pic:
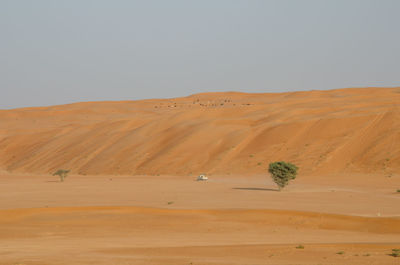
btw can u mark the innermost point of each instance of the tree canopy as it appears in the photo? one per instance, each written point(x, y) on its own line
point(282, 172)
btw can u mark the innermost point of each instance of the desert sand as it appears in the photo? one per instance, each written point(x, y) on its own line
point(132, 195)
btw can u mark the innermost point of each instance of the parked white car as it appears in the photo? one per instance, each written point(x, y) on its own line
point(202, 177)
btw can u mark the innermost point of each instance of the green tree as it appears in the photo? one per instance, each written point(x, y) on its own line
point(282, 172)
point(62, 173)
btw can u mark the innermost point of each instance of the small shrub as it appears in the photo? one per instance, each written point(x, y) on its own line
point(398, 190)
point(340, 252)
point(169, 203)
point(395, 253)
point(300, 247)
point(282, 172)
point(62, 173)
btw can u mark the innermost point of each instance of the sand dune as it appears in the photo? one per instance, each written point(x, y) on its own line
point(352, 130)
point(343, 207)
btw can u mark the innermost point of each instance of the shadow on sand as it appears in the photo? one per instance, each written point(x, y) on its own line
point(255, 189)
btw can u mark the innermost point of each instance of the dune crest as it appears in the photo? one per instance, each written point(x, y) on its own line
point(344, 130)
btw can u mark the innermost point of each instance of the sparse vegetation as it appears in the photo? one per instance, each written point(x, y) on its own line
point(62, 173)
point(282, 172)
point(395, 252)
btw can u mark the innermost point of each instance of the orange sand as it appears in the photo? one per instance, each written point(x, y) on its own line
point(175, 220)
point(132, 197)
point(346, 130)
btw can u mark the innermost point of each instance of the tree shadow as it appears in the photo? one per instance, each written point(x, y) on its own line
point(263, 189)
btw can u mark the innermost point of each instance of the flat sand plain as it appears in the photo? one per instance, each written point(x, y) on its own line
point(177, 220)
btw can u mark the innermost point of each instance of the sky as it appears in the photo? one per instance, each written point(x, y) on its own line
point(56, 52)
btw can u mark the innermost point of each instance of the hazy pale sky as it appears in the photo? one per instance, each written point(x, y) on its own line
point(55, 52)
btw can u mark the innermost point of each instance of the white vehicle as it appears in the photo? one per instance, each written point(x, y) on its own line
point(202, 177)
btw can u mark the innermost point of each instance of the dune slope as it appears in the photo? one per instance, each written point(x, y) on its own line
point(345, 130)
